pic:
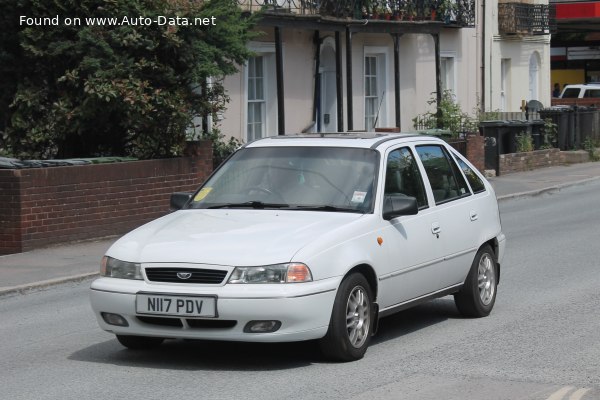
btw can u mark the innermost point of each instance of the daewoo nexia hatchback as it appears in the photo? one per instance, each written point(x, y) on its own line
point(298, 238)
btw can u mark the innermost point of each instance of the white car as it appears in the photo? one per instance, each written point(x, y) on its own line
point(305, 237)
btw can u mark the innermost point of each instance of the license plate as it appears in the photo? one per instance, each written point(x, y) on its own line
point(186, 306)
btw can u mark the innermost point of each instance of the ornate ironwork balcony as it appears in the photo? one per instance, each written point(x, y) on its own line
point(460, 13)
point(524, 19)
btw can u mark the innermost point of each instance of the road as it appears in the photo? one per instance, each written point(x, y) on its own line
point(542, 340)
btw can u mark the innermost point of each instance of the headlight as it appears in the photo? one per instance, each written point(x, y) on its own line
point(279, 273)
point(120, 269)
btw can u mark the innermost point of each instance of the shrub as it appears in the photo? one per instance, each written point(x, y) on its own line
point(76, 91)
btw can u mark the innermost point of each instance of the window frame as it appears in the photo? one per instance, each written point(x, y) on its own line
point(417, 168)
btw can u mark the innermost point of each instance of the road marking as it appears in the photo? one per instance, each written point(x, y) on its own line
point(560, 393)
point(578, 395)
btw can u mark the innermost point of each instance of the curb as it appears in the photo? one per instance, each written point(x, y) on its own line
point(532, 193)
point(29, 287)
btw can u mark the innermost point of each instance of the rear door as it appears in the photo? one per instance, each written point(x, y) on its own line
point(456, 213)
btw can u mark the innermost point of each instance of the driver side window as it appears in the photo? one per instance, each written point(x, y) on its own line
point(402, 176)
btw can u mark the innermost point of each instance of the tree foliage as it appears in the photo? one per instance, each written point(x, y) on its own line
point(88, 90)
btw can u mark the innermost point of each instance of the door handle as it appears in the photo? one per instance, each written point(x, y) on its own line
point(474, 216)
point(435, 229)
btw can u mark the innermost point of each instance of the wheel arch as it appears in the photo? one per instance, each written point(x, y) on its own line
point(369, 273)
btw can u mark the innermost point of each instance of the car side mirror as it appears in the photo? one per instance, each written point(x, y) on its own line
point(396, 205)
point(179, 199)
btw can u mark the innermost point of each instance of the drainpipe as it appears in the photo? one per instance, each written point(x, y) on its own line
point(483, 39)
point(279, 73)
point(338, 82)
point(349, 78)
point(317, 93)
point(438, 80)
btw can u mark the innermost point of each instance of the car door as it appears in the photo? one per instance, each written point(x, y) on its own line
point(413, 250)
point(456, 213)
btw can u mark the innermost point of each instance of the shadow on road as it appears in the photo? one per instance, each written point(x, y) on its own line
point(201, 355)
point(415, 319)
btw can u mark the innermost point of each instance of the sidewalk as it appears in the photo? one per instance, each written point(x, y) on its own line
point(78, 261)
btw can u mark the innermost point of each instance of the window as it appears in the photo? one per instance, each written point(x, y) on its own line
point(446, 181)
point(595, 93)
point(402, 176)
point(375, 86)
point(475, 181)
point(571, 93)
point(371, 92)
point(256, 98)
point(447, 74)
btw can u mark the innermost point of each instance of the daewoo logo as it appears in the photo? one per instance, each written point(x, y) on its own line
point(184, 275)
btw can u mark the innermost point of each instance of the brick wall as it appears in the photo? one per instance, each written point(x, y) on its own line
point(476, 151)
point(517, 162)
point(42, 206)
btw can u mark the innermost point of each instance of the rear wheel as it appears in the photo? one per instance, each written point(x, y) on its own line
point(139, 342)
point(350, 327)
point(478, 295)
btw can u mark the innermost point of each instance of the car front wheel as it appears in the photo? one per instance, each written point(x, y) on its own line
point(351, 321)
point(478, 295)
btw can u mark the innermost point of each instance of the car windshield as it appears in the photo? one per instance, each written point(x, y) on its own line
point(302, 178)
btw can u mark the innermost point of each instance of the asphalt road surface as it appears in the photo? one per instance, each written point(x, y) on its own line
point(542, 341)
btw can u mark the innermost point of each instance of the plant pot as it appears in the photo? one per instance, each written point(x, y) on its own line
point(433, 15)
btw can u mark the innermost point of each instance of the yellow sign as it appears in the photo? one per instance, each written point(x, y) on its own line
point(202, 193)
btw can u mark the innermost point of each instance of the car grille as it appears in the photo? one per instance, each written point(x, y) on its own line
point(208, 276)
point(192, 323)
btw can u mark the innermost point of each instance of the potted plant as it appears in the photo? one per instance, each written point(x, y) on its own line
point(447, 10)
point(410, 10)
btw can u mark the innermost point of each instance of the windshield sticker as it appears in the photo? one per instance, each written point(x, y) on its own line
point(202, 193)
point(359, 197)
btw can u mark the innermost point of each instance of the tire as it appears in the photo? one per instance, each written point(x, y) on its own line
point(478, 295)
point(139, 342)
point(347, 339)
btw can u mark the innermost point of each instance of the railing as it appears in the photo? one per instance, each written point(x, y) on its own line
point(451, 12)
point(510, 116)
point(524, 19)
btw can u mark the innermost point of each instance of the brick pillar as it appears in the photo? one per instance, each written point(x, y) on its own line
point(10, 212)
point(476, 150)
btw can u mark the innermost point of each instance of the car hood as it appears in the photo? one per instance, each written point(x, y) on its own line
point(227, 237)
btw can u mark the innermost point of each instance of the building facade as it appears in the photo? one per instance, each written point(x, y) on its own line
point(351, 65)
point(515, 54)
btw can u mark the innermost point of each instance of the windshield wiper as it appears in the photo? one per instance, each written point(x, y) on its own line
point(249, 204)
point(328, 208)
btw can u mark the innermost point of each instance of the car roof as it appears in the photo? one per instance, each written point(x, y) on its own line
point(583, 86)
point(356, 140)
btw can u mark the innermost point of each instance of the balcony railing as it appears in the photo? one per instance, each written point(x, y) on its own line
point(451, 12)
point(524, 19)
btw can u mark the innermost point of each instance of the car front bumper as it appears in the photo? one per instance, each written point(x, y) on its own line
point(304, 309)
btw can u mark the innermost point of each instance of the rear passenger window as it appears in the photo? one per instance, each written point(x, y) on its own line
point(475, 181)
point(444, 177)
point(402, 176)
